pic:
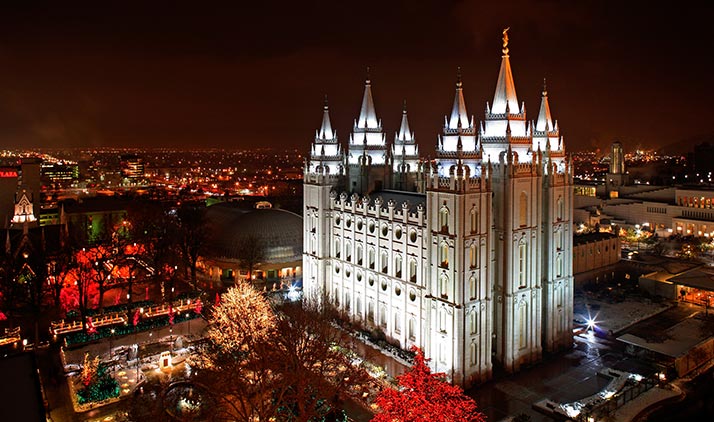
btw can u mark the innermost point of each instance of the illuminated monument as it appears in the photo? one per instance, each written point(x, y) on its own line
point(468, 257)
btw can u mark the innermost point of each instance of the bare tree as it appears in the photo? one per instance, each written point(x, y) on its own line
point(251, 252)
point(192, 236)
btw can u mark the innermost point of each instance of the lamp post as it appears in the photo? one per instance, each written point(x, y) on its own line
point(111, 338)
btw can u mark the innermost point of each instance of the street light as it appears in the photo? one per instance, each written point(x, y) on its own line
point(111, 338)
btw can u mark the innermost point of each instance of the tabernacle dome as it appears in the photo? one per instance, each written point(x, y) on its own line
point(277, 232)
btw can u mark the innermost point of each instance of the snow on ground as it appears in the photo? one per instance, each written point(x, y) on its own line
point(615, 316)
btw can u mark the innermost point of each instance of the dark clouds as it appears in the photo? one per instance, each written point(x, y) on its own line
point(239, 74)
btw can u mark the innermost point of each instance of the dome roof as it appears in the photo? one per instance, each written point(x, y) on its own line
point(279, 232)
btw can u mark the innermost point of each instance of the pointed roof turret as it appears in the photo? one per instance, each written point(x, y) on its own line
point(404, 132)
point(545, 121)
point(326, 131)
point(367, 114)
point(458, 117)
point(505, 95)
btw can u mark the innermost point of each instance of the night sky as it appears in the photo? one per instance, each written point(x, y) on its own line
point(245, 73)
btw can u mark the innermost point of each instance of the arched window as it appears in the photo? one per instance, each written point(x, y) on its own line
point(473, 258)
point(522, 263)
point(560, 205)
point(383, 316)
point(358, 307)
point(473, 321)
point(347, 302)
point(558, 235)
point(444, 219)
point(397, 323)
point(559, 266)
point(398, 266)
point(522, 326)
point(442, 320)
point(412, 270)
point(523, 213)
point(472, 287)
point(337, 248)
point(384, 261)
point(444, 255)
point(473, 356)
point(371, 258)
point(336, 297)
point(444, 286)
point(359, 254)
point(348, 251)
point(411, 329)
point(370, 312)
point(474, 220)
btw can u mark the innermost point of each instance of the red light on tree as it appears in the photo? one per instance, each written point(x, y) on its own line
point(425, 397)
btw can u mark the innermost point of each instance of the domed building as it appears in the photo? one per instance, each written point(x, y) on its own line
point(270, 239)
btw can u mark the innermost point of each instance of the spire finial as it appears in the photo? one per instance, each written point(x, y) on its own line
point(326, 105)
point(404, 107)
point(458, 76)
point(367, 81)
point(545, 88)
point(505, 41)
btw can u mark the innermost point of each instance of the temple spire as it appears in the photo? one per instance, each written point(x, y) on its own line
point(459, 117)
point(404, 132)
point(326, 131)
point(367, 114)
point(505, 88)
point(545, 121)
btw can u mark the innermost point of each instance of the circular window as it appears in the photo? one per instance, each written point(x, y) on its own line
point(412, 295)
point(384, 286)
point(371, 227)
point(397, 290)
point(398, 232)
point(371, 281)
point(412, 236)
point(337, 220)
point(359, 224)
point(359, 276)
point(347, 272)
point(385, 229)
point(348, 222)
point(337, 269)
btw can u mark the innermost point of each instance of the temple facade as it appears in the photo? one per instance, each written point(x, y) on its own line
point(468, 256)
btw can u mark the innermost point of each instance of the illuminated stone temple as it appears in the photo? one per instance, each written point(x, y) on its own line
point(468, 256)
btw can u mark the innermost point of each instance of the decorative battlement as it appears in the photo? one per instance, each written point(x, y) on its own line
point(379, 209)
point(504, 116)
point(476, 155)
point(521, 140)
point(468, 131)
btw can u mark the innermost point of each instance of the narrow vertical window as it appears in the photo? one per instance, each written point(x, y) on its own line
point(444, 220)
point(522, 326)
point(472, 255)
point(523, 212)
point(412, 270)
point(472, 287)
point(474, 220)
point(444, 286)
point(444, 255)
point(398, 266)
point(522, 264)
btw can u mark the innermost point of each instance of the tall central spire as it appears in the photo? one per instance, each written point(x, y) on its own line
point(505, 88)
point(367, 114)
point(459, 117)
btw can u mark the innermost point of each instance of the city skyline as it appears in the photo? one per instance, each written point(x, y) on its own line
point(136, 75)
